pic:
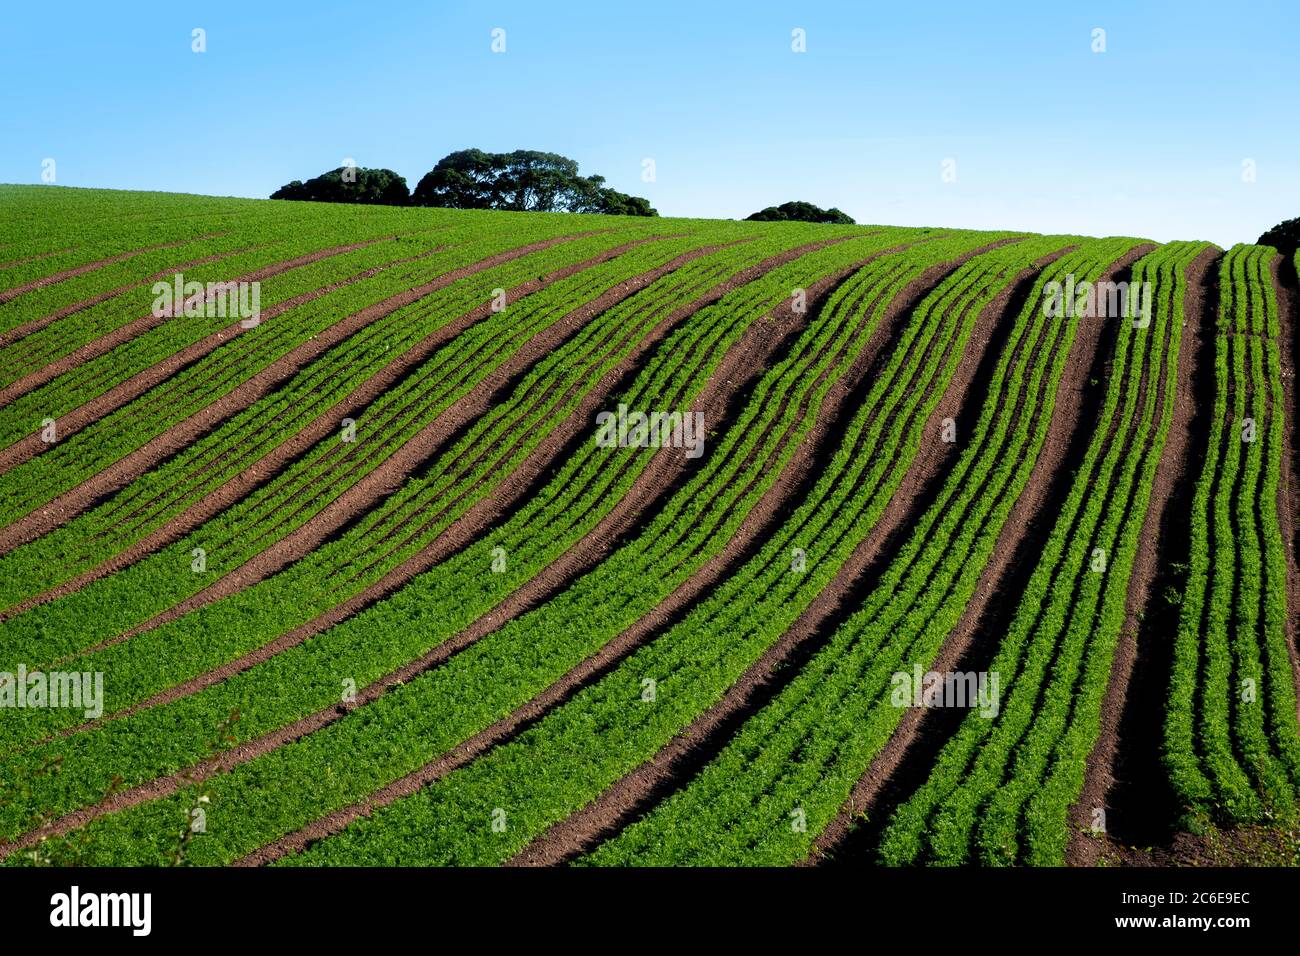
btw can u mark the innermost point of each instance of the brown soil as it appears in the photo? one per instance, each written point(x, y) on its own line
point(180, 436)
point(916, 739)
point(1288, 492)
point(741, 362)
point(35, 325)
point(78, 418)
point(8, 295)
point(1242, 846)
point(385, 479)
point(1125, 771)
point(133, 329)
point(44, 255)
point(705, 736)
point(514, 488)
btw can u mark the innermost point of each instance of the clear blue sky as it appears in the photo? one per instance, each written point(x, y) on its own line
point(1145, 139)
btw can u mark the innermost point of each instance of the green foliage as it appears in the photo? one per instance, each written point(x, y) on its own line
point(505, 668)
point(312, 671)
point(78, 265)
point(1017, 773)
point(801, 212)
point(351, 184)
point(1284, 237)
point(524, 180)
point(804, 751)
point(1231, 743)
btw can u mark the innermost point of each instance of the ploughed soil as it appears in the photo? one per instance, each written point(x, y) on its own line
point(906, 759)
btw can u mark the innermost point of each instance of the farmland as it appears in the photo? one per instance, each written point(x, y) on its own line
point(954, 571)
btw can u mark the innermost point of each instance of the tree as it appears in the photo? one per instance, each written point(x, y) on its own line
point(1285, 237)
point(590, 194)
point(801, 212)
point(522, 181)
point(350, 184)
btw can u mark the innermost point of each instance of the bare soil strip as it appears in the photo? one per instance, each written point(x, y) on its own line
point(739, 366)
point(387, 478)
point(8, 295)
point(180, 436)
point(906, 759)
point(464, 530)
point(44, 255)
point(131, 330)
point(1125, 771)
point(1241, 846)
point(131, 389)
point(742, 363)
point(738, 370)
point(274, 462)
point(35, 325)
point(707, 735)
point(1288, 492)
point(512, 490)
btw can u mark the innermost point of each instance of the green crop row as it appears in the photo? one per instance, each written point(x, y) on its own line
point(490, 339)
point(63, 337)
point(366, 647)
point(136, 252)
point(107, 439)
point(768, 794)
point(610, 727)
point(468, 673)
point(1230, 742)
point(220, 372)
point(1069, 618)
point(249, 248)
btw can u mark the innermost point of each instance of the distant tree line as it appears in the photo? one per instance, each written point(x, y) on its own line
point(525, 180)
point(350, 184)
point(522, 181)
point(801, 212)
point(1284, 237)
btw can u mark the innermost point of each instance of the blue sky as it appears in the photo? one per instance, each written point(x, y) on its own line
point(1147, 138)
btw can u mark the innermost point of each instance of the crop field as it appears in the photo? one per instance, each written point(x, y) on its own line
point(362, 535)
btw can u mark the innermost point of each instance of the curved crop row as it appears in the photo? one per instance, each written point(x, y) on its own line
point(70, 461)
point(448, 375)
point(725, 326)
point(566, 509)
point(690, 664)
point(1231, 744)
point(1019, 770)
point(777, 784)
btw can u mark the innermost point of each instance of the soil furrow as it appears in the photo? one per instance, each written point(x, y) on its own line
point(8, 295)
point(22, 331)
point(106, 343)
point(44, 255)
point(1125, 771)
point(658, 482)
point(695, 745)
point(180, 436)
point(387, 478)
point(742, 361)
point(72, 422)
point(463, 531)
point(905, 760)
point(1288, 497)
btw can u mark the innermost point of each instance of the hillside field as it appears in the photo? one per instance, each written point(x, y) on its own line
point(357, 535)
